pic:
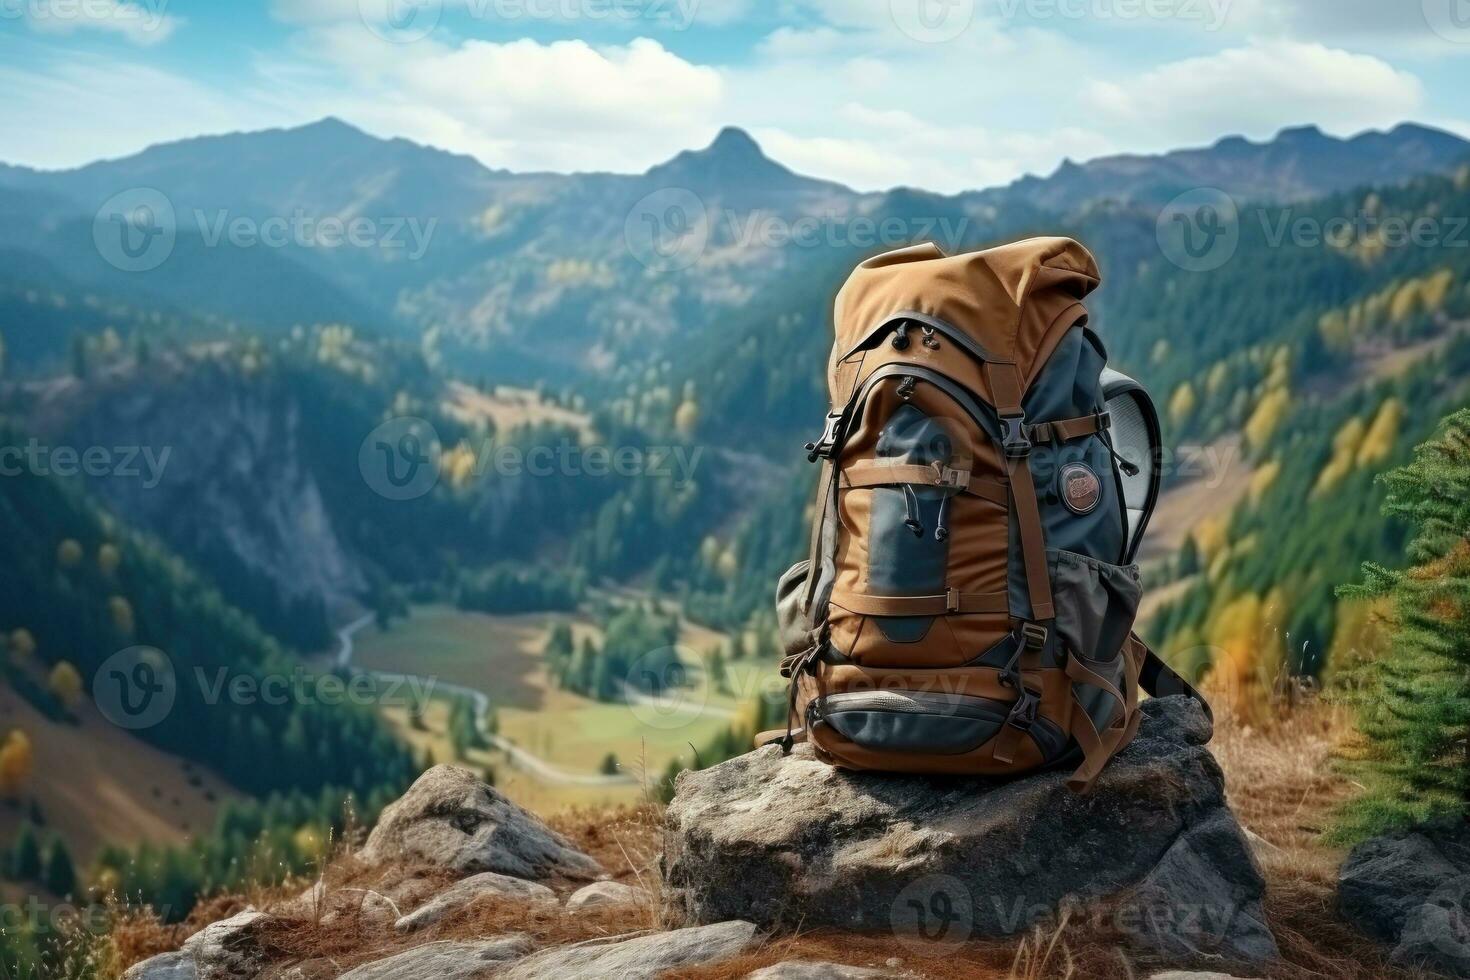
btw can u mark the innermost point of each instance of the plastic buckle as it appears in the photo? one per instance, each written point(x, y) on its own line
point(1013, 438)
point(1104, 420)
point(826, 445)
point(1035, 635)
point(952, 600)
point(1025, 712)
point(948, 478)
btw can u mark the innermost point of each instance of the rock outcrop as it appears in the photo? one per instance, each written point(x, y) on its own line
point(787, 842)
point(463, 894)
point(605, 893)
point(445, 961)
point(451, 819)
point(643, 958)
point(1412, 889)
point(225, 950)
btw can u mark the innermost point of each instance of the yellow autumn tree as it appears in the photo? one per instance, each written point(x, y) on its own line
point(457, 465)
point(17, 761)
point(686, 418)
point(66, 684)
point(1263, 479)
point(120, 610)
point(1182, 403)
point(1382, 435)
point(1345, 445)
point(22, 645)
point(1270, 411)
point(69, 553)
point(108, 558)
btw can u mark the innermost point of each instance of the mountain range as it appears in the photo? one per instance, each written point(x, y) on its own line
point(560, 276)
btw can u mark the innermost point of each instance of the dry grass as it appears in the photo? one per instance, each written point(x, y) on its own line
point(1280, 778)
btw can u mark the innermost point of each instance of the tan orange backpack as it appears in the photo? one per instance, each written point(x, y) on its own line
point(969, 600)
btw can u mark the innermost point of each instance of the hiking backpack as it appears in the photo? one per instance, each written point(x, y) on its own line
point(969, 600)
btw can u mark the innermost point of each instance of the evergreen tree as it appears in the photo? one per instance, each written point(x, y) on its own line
point(25, 855)
point(60, 875)
point(1415, 709)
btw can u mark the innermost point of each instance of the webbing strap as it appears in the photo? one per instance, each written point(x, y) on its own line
point(876, 473)
point(953, 601)
point(1006, 391)
point(826, 493)
point(1160, 680)
point(1064, 430)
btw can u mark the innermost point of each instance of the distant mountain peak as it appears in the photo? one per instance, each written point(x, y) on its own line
point(733, 141)
point(733, 161)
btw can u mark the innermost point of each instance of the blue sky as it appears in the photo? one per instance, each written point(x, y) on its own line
point(942, 94)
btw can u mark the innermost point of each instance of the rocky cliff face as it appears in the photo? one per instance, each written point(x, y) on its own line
point(215, 463)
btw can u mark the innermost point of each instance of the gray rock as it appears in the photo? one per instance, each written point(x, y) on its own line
point(1201, 899)
point(445, 961)
point(643, 958)
point(1385, 879)
point(451, 819)
point(788, 843)
point(225, 950)
point(806, 970)
point(1436, 934)
point(169, 966)
point(229, 948)
point(606, 893)
point(465, 893)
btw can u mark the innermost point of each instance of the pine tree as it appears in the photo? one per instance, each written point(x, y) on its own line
point(25, 855)
point(60, 876)
point(1415, 706)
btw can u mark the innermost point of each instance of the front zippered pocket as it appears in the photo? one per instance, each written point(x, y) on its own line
point(910, 721)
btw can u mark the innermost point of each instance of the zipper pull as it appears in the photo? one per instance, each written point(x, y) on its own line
point(911, 511)
point(906, 387)
point(1125, 465)
point(941, 529)
point(901, 336)
point(931, 340)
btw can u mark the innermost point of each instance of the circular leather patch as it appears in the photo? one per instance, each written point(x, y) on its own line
point(1080, 488)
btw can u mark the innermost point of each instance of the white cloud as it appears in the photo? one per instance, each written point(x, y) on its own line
point(566, 105)
point(892, 147)
point(1256, 90)
point(142, 22)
